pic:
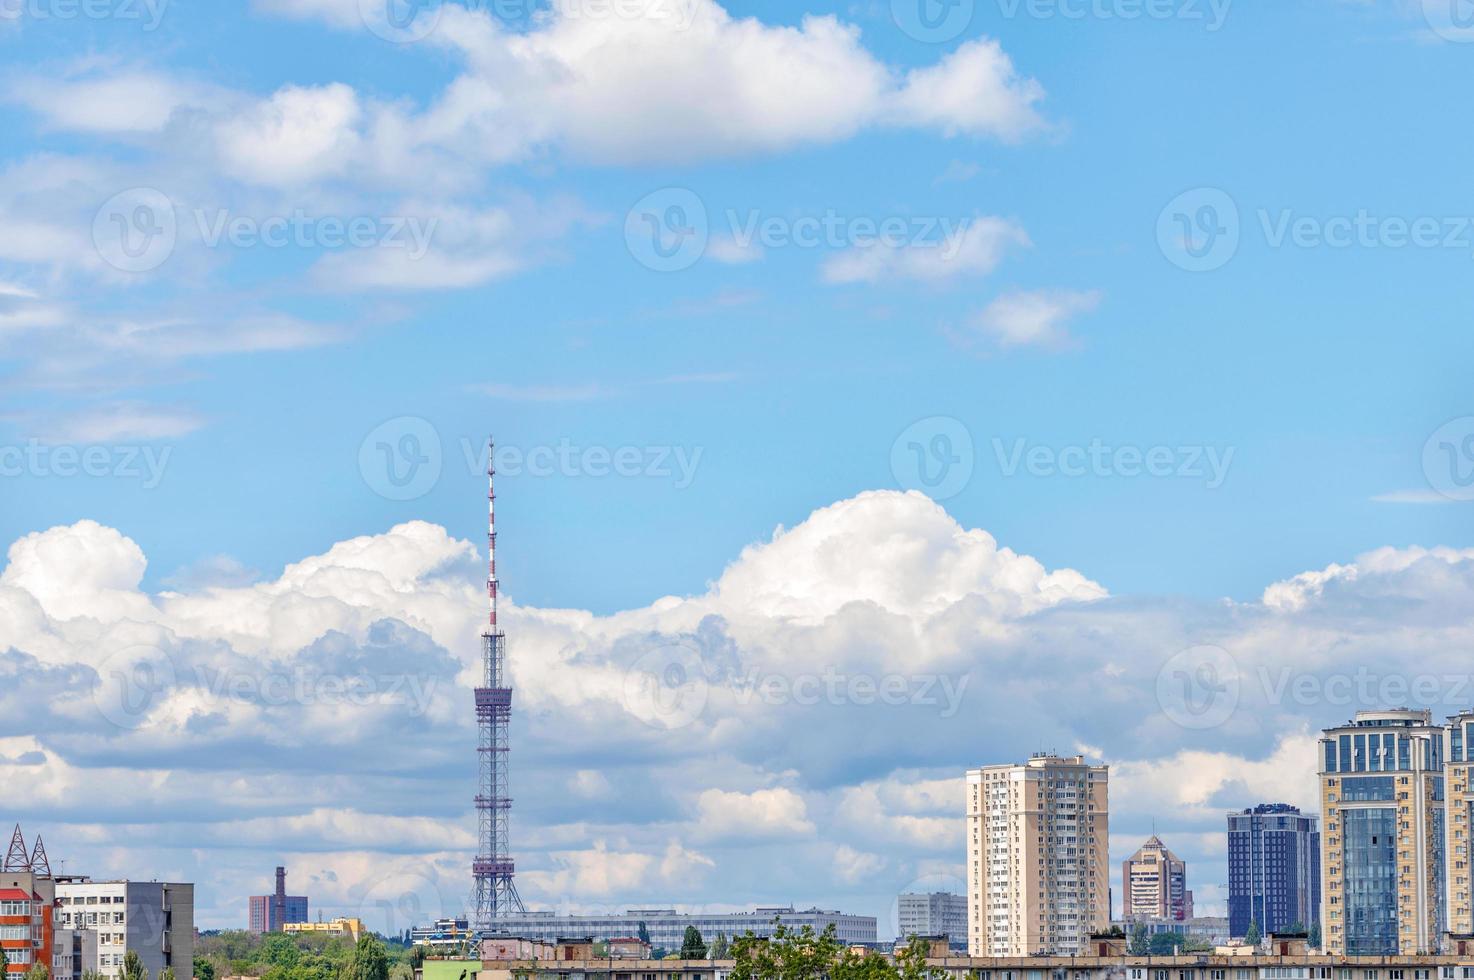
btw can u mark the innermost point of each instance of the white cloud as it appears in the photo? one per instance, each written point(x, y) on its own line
point(1034, 319)
point(853, 866)
point(124, 421)
point(93, 99)
point(610, 805)
point(971, 249)
point(631, 85)
point(777, 812)
point(299, 135)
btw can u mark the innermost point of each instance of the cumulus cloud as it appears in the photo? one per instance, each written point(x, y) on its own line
point(637, 84)
point(795, 708)
point(1036, 318)
point(971, 249)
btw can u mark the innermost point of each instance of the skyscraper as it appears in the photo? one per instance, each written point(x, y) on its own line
point(1459, 753)
point(1154, 883)
point(1273, 869)
point(1036, 856)
point(1382, 849)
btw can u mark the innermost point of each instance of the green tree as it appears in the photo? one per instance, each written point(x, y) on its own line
point(1315, 935)
point(370, 961)
point(693, 947)
point(167, 973)
point(911, 962)
point(1296, 927)
point(719, 947)
point(644, 933)
point(203, 970)
point(1141, 941)
point(1252, 936)
point(133, 968)
point(4, 962)
point(36, 972)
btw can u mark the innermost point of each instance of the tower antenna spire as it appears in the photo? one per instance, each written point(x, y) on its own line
point(492, 871)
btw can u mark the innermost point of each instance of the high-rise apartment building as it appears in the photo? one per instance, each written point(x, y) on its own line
point(154, 919)
point(932, 914)
point(1459, 763)
point(1382, 847)
point(1273, 869)
point(1037, 847)
point(1154, 884)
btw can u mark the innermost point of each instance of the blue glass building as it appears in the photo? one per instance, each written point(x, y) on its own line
point(1273, 869)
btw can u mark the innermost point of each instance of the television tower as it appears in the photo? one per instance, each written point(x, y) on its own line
point(495, 894)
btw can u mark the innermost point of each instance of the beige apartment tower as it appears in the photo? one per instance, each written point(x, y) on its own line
point(1459, 793)
point(1154, 884)
point(1383, 843)
point(1037, 859)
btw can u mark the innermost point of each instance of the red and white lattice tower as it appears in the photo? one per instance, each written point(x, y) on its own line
point(495, 894)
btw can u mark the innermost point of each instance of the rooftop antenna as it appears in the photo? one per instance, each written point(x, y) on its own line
point(39, 865)
point(16, 859)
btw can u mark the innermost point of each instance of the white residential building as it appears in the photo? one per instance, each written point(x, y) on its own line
point(1036, 856)
point(152, 918)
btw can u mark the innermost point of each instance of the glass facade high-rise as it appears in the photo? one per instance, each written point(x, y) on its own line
point(1382, 848)
point(1273, 869)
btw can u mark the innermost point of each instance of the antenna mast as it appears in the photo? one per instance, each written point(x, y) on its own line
point(493, 869)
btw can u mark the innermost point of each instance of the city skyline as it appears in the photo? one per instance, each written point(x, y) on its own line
point(883, 391)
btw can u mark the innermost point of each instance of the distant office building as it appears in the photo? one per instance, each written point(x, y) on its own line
point(154, 919)
point(1154, 884)
point(932, 914)
point(450, 931)
point(349, 928)
point(1209, 929)
point(667, 927)
point(1037, 838)
point(268, 913)
point(1273, 869)
point(1382, 846)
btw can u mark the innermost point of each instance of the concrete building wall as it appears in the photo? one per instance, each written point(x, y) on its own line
point(152, 918)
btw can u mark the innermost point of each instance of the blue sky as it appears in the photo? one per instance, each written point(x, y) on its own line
point(1324, 379)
